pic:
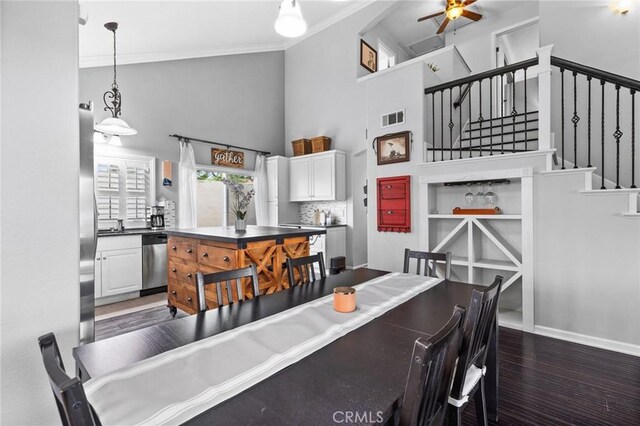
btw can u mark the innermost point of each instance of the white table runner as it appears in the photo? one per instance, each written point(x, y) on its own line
point(175, 386)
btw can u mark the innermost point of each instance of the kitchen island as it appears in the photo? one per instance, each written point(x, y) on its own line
point(218, 249)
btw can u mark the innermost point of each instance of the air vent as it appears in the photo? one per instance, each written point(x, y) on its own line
point(393, 119)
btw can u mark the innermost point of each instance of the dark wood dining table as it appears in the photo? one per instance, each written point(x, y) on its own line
point(361, 374)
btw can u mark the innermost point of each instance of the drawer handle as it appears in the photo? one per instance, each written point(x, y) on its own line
point(189, 251)
point(388, 186)
point(174, 248)
point(205, 254)
point(389, 212)
point(226, 259)
point(189, 299)
point(104, 258)
point(189, 275)
point(174, 270)
point(174, 292)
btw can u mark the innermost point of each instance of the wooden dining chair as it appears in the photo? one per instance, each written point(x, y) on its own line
point(432, 366)
point(430, 262)
point(226, 279)
point(73, 407)
point(478, 328)
point(305, 268)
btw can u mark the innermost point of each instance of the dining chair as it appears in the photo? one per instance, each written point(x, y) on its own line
point(431, 260)
point(430, 374)
point(73, 407)
point(226, 279)
point(477, 331)
point(305, 268)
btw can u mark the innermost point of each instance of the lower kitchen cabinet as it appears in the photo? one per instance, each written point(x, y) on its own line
point(118, 265)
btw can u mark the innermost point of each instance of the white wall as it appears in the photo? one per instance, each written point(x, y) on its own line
point(39, 189)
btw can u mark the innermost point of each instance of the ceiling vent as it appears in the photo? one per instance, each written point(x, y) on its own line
point(393, 118)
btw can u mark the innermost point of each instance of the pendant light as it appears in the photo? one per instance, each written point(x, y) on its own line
point(290, 22)
point(114, 125)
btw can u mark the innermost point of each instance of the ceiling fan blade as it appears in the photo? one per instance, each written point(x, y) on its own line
point(471, 15)
point(443, 26)
point(468, 2)
point(424, 18)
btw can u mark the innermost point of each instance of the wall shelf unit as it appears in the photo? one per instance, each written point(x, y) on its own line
point(484, 246)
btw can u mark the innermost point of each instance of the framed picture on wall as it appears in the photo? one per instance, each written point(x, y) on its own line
point(394, 148)
point(368, 56)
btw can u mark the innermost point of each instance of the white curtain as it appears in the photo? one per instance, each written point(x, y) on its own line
point(187, 187)
point(260, 185)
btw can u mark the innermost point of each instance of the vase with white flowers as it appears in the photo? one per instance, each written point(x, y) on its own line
point(241, 199)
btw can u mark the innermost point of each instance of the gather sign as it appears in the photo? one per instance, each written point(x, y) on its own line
point(227, 158)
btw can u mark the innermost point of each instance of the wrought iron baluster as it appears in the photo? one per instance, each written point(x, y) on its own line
point(451, 123)
point(575, 119)
point(460, 122)
point(480, 118)
point(589, 125)
point(562, 113)
point(514, 112)
point(470, 123)
point(501, 113)
point(433, 124)
point(617, 135)
point(526, 113)
point(442, 125)
point(602, 133)
point(633, 138)
point(490, 115)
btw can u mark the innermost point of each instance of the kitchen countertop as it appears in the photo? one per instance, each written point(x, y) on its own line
point(132, 231)
point(253, 233)
point(312, 225)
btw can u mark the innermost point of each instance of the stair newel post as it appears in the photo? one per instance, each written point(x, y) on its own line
point(480, 118)
point(460, 121)
point(501, 113)
point(633, 138)
point(433, 125)
point(562, 113)
point(589, 124)
point(451, 123)
point(514, 112)
point(544, 96)
point(442, 125)
point(526, 116)
point(602, 134)
point(490, 115)
point(617, 135)
point(575, 119)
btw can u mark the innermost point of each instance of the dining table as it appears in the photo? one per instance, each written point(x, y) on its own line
point(359, 376)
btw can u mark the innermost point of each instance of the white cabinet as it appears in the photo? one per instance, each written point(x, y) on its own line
point(118, 266)
point(318, 177)
point(281, 210)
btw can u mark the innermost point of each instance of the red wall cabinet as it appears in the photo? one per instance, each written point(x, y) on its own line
point(394, 204)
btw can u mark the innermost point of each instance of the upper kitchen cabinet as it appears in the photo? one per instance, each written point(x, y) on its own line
point(318, 177)
point(281, 210)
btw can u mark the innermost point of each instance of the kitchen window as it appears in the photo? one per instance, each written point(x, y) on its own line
point(213, 198)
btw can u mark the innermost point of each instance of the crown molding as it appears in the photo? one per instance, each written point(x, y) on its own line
point(141, 58)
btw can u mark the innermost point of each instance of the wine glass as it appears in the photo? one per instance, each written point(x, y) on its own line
point(469, 195)
point(480, 195)
point(491, 196)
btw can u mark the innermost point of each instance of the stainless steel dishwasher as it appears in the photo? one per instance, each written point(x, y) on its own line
point(154, 264)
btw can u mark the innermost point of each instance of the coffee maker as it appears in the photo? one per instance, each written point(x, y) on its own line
point(157, 217)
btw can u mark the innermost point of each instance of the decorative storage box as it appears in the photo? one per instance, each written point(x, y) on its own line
point(320, 144)
point(301, 147)
point(394, 204)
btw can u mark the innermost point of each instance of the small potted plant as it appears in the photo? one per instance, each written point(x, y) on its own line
point(241, 200)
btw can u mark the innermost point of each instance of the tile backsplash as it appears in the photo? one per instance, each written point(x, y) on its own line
point(338, 210)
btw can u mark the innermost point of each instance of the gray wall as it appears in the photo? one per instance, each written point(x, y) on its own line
point(237, 99)
point(40, 291)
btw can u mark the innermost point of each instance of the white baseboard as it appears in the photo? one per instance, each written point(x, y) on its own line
point(598, 342)
point(364, 265)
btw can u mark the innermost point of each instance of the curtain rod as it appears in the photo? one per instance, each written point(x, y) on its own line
point(188, 139)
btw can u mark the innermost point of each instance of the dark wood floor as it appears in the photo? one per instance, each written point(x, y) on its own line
point(543, 381)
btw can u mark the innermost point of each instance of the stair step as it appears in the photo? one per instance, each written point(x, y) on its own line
point(507, 117)
point(497, 135)
point(494, 126)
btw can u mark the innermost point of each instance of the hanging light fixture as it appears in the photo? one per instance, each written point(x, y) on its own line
point(290, 22)
point(114, 125)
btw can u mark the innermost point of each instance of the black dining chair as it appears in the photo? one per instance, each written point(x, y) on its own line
point(226, 279)
point(432, 366)
point(478, 328)
point(304, 266)
point(69, 394)
point(430, 262)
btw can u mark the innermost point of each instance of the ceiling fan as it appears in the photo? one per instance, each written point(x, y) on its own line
point(454, 10)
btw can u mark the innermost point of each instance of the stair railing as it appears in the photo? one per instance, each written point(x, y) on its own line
point(469, 103)
point(621, 86)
